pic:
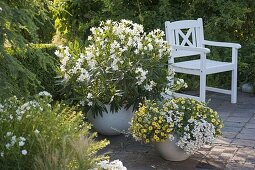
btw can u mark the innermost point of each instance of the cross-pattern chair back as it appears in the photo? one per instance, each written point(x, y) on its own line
point(185, 33)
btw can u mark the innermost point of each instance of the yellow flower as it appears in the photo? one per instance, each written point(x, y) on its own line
point(155, 110)
point(150, 127)
point(213, 120)
point(154, 123)
point(147, 141)
point(155, 118)
point(155, 137)
point(162, 134)
point(144, 130)
point(168, 130)
point(182, 102)
point(156, 131)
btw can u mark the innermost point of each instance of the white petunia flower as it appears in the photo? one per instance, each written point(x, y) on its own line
point(2, 154)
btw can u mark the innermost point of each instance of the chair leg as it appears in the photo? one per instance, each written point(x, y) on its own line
point(234, 86)
point(202, 87)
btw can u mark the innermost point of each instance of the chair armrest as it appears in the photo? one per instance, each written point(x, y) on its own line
point(222, 44)
point(186, 48)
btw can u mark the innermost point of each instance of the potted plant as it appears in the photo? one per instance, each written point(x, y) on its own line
point(178, 127)
point(121, 66)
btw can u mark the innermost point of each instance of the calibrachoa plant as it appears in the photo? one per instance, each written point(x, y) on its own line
point(191, 123)
point(36, 134)
point(122, 66)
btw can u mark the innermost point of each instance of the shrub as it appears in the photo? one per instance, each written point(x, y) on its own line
point(36, 134)
point(30, 71)
point(122, 66)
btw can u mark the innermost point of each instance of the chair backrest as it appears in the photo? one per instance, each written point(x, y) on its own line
point(185, 33)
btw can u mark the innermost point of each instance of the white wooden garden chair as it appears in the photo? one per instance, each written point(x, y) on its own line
point(191, 42)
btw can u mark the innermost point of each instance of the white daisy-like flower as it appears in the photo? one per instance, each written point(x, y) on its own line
point(22, 138)
point(8, 145)
point(24, 152)
point(37, 131)
point(21, 143)
point(8, 133)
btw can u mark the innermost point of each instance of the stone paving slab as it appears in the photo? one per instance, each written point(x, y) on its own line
point(234, 150)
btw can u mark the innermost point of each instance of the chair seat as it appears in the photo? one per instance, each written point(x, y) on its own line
point(212, 66)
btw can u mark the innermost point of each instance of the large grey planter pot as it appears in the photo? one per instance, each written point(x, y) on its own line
point(112, 123)
point(170, 151)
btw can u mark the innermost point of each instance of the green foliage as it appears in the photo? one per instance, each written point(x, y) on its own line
point(28, 72)
point(73, 18)
point(38, 135)
point(19, 22)
point(20, 26)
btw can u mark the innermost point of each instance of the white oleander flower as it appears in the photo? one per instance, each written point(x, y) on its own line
point(89, 96)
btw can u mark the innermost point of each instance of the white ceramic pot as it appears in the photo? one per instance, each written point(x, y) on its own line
point(170, 151)
point(112, 123)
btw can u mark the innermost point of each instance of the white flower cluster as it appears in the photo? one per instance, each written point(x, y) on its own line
point(196, 134)
point(64, 57)
point(114, 165)
point(12, 141)
point(116, 49)
point(26, 107)
point(45, 93)
point(142, 75)
point(171, 116)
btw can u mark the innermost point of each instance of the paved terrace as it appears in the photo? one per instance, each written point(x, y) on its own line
point(234, 150)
